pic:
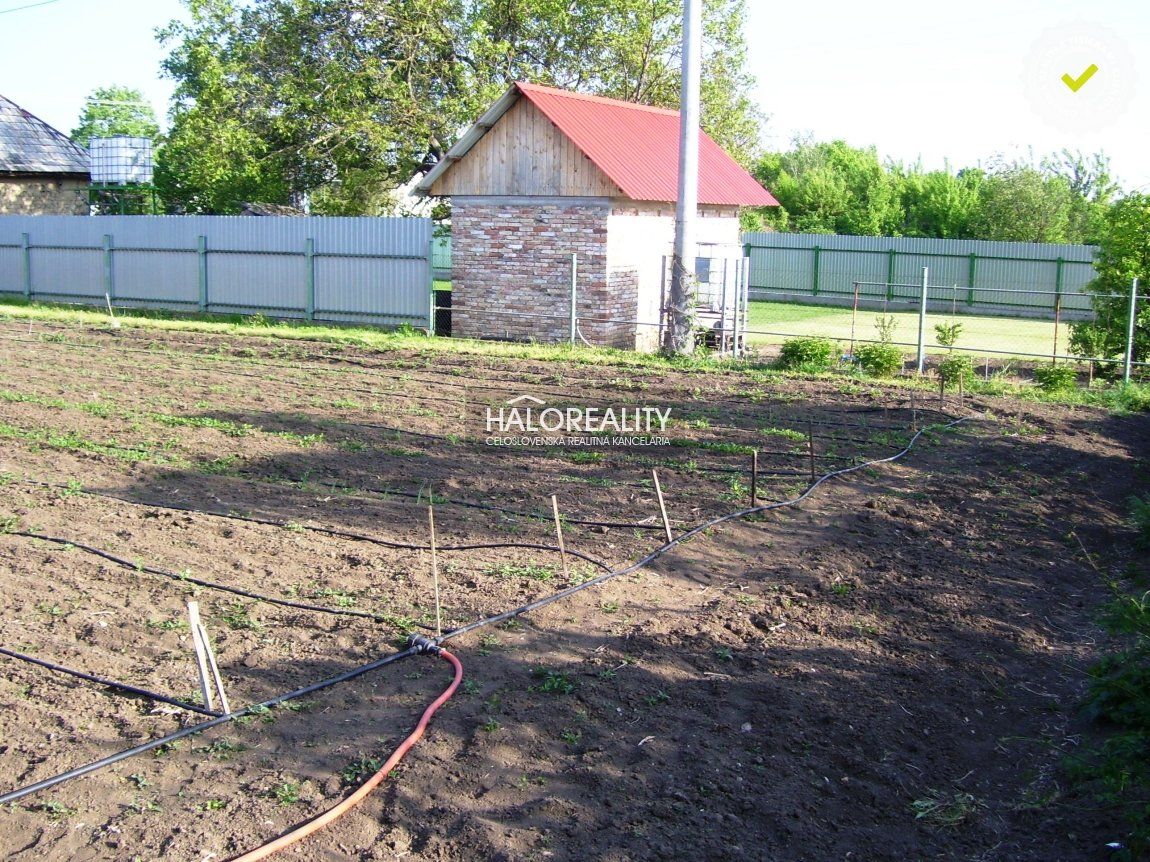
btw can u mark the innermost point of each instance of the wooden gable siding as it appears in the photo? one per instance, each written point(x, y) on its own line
point(525, 154)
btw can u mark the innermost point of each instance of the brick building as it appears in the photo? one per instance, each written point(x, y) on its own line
point(41, 171)
point(546, 174)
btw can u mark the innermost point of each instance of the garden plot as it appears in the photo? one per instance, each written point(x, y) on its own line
point(786, 686)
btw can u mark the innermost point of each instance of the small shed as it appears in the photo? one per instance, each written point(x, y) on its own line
point(42, 172)
point(546, 174)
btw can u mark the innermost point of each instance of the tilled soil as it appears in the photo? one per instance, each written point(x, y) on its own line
point(784, 686)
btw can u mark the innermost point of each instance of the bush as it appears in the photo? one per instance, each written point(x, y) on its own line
point(955, 369)
point(1055, 378)
point(879, 360)
point(806, 353)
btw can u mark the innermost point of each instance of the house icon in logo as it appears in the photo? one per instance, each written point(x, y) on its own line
point(525, 398)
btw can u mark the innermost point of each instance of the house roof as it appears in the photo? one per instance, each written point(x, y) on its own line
point(28, 145)
point(635, 146)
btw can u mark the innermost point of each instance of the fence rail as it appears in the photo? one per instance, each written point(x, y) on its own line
point(328, 269)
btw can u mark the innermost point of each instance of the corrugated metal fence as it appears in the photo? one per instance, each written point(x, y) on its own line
point(1008, 278)
point(370, 270)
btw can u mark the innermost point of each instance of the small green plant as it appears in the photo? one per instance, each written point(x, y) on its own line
point(841, 588)
point(572, 737)
point(238, 618)
point(222, 749)
point(167, 625)
point(359, 769)
point(139, 779)
point(724, 654)
point(879, 360)
point(212, 805)
point(806, 354)
point(658, 698)
point(947, 333)
point(1055, 378)
point(286, 792)
point(886, 325)
point(57, 811)
point(1140, 517)
point(956, 369)
point(585, 456)
point(609, 607)
point(489, 726)
point(942, 809)
point(555, 682)
point(531, 571)
point(9, 524)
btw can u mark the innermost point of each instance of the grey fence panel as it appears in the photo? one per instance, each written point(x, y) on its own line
point(991, 273)
point(368, 269)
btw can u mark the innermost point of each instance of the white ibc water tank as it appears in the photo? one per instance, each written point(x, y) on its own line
point(121, 160)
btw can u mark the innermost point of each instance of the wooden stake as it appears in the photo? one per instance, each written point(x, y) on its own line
point(754, 478)
point(941, 391)
point(662, 506)
point(559, 535)
point(201, 657)
point(435, 571)
point(913, 413)
point(215, 668)
point(811, 446)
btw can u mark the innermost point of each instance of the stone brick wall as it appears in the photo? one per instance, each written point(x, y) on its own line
point(21, 195)
point(512, 257)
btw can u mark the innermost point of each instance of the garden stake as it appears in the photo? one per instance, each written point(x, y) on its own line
point(201, 658)
point(754, 477)
point(559, 536)
point(434, 571)
point(941, 391)
point(213, 667)
point(811, 446)
point(913, 413)
point(662, 506)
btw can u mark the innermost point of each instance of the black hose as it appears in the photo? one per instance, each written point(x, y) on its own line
point(113, 759)
point(333, 531)
point(110, 683)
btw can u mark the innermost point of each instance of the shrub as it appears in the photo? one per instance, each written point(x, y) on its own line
point(955, 369)
point(1055, 378)
point(947, 333)
point(806, 353)
point(879, 360)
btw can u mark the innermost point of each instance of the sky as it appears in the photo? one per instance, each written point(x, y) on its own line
point(924, 82)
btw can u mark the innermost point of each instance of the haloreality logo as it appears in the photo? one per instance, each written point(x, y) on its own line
point(528, 421)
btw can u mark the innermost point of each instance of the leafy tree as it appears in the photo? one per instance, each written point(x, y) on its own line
point(1021, 203)
point(111, 111)
point(939, 203)
point(280, 100)
point(1124, 255)
point(831, 188)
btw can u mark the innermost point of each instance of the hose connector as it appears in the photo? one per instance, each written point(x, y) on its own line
point(424, 645)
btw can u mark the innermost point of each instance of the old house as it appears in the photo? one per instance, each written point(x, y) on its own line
point(545, 175)
point(42, 172)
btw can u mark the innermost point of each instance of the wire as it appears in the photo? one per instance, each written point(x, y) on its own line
point(110, 683)
point(332, 814)
point(113, 759)
point(29, 6)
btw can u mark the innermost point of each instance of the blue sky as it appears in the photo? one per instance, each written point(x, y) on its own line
point(920, 80)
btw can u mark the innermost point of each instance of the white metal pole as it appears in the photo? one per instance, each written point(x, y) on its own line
point(574, 297)
point(680, 338)
point(922, 320)
point(1130, 331)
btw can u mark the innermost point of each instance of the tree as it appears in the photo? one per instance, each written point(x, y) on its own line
point(939, 203)
point(831, 188)
point(115, 110)
point(1123, 256)
point(285, 100)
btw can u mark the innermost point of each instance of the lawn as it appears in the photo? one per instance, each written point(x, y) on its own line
point(774, 322)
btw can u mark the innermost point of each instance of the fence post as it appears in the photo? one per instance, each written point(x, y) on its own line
point(922, 320)
point(26, 252)
point(431, 281)
point(815, 273)
point(890, 256)
point(202, 256)
point(109, 280)
point(970, 269)
point(1130, 331)
point(309, 256)
point(574, 296)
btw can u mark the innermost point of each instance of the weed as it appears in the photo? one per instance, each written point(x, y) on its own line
point(1055, 378)
point(533, 572)
point(71, 489)
point(940, 809)
point(7, 478)
point(168, 625)
point(146, 806)
point(609, 607)
point(225, 466)
point(724, 654)
point(222, 749)
point(554, 682)
point(56, 811)
point(212, 805)
point(584, 456)
point(139, 779)
point(9, 525)
point(658, 698)
point(572, 737)
point(52, 610)
point(166, 748)
point(359, 769)
point(489, 726)
point(1140, 516)
point(487, 644)
point(238, 618)
point(286, 793)
point(806, 354)
point(471, 687)
point(841, 588)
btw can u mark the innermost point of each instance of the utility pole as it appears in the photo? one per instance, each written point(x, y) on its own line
point(680, 338)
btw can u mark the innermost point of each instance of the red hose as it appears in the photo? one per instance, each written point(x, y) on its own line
point(333, 814)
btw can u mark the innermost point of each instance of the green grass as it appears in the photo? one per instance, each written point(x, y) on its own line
point(978, 333)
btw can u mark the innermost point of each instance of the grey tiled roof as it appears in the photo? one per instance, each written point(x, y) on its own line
point(29, 145)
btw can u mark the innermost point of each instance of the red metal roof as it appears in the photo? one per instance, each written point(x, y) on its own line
point(637, 147)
